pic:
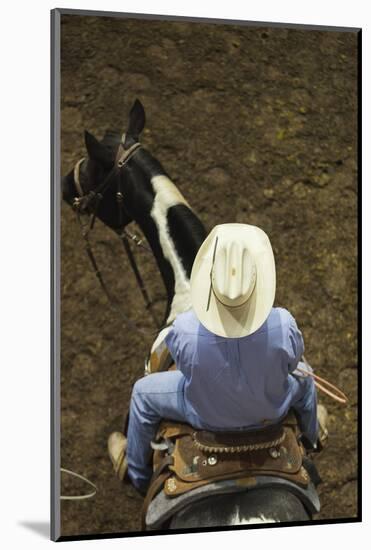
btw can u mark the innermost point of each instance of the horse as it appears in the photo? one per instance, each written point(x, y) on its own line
point(119, 182)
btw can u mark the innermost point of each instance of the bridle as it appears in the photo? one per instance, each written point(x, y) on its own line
point(82, 202)
point(88, 203)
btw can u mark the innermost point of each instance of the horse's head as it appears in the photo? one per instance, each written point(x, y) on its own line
point(95, 181)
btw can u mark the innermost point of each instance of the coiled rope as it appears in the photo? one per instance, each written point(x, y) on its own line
point(79, 497)
point(324, 386)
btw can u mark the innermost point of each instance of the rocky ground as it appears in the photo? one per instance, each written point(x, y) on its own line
point(254, 125)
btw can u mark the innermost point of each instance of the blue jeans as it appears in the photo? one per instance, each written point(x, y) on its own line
point(156, 396)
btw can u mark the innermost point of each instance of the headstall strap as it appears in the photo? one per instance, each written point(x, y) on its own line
point(76, 177)
point(127, 154)
point(123, 156)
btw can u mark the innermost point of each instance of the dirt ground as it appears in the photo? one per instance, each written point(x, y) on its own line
point(254, 125)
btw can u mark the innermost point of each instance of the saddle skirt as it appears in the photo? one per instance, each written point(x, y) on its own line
point(191, 458)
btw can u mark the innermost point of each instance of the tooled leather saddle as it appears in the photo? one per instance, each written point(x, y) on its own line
point(185, 458)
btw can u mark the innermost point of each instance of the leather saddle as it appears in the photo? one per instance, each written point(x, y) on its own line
point(186, 459)
point(197, 457)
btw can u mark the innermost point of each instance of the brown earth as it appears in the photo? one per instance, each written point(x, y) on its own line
point(254, 125)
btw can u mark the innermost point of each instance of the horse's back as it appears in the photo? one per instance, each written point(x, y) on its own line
point(265, 505)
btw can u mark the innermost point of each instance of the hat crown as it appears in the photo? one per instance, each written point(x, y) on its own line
point(233, 280)
point(234, 273)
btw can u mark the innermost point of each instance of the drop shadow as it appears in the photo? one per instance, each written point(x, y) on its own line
point(42, 528)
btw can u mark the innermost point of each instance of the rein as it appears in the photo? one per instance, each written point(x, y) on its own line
point(82, 203)
point(325, 386)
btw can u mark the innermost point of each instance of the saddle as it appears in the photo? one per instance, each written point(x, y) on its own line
point(186, 459)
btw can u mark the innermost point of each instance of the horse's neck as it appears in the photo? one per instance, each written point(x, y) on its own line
point(168, 196)
point(174, 233)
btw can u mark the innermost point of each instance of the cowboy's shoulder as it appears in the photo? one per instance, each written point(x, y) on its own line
point(187, 322)
point(280, 317)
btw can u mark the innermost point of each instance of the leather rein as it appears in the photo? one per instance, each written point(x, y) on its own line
point(81, 204)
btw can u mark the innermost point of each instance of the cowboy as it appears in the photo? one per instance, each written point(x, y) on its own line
point(236, 356)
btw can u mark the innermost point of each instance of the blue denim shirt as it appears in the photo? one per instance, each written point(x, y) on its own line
point(244, 382)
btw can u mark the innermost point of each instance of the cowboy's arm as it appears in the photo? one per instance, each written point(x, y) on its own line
point(179, 346)
point(304, 402)
point(294, 344)
point(303, 391)
point(171, 347)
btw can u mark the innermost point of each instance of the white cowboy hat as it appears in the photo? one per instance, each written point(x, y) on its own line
point(233, 280)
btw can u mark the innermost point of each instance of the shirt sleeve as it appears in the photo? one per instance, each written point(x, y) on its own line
point(179, 347)
point(172, 342)
point(304, 402)
point(304, 395)
point(295, 344)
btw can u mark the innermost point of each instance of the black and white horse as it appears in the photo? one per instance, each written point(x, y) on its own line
point(174, 233)
point(150, 198)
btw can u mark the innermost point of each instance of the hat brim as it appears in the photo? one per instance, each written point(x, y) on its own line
point(234, 322)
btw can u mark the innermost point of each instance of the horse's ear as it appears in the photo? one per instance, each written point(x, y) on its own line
point(137, 120)
point(96, 150)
